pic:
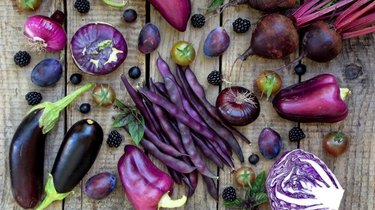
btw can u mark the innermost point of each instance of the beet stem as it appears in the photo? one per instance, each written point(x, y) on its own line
point(304, 53)
point(349, 11)
point(360, 23)
point(355, 16)
point(358, 33)
point(303, 8)
point(316, 8)
point(312, 17)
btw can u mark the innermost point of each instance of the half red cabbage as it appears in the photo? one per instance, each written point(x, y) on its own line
point(98, 48)
point(300, 180)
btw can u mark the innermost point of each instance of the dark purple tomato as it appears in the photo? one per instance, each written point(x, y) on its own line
point(269, 143)
point(100, 185)
point(335, 143)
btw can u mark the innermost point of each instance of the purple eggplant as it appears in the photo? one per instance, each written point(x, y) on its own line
point(319, 99)
point(76, 155)
point(26, 152)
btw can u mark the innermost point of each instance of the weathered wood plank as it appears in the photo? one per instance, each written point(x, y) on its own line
point(201, 66)
point(108, 157)
point(354, 69)
point(246, 77)
point(15, 82)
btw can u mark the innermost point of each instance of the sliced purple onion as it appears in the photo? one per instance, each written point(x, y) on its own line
point(300, 180)
point(98, 48)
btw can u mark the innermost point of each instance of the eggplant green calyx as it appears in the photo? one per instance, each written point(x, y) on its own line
point(167, 202)
point(51, 194)
point(115, 4)
point(51, 111)
point(345, 93)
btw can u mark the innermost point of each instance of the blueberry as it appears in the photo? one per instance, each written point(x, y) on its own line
point(300, 69)
point(76, 78)
point(134, 72)
point(129, 15)
point(253, 159)
point(85, 108)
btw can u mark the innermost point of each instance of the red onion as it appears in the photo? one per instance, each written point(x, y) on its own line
point(237, 106)
point(98, 48)
point(46, 33)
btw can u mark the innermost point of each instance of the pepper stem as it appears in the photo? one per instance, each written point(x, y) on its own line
point(167, 202)
point(345, 93)
point(115, 4)
point(51, 111)
point(51, 194)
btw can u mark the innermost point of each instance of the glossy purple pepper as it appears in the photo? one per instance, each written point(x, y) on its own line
point(319, 99)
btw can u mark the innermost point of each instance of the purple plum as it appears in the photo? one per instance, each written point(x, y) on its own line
point(269, 143)
point(216, 42)
point(149, 38)
point(100, 185)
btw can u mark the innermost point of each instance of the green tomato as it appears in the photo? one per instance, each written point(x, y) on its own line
point(183, 53)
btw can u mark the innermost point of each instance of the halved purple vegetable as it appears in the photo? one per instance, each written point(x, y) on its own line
point(300, 180)
point(98, 48)
point(176, 13)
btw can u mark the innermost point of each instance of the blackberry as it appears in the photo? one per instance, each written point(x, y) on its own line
point(82, 6)
point(241, 25)
point(33, 98)
point(229, 194)
point(76, 78)
point(85, 108)
point(134, 72)
point(253, 159)
point(300, 69)
point(214, 78)
point(296, 134)
point(198, 20)
point(129, 15)
point(114, 139)
point(22, 58)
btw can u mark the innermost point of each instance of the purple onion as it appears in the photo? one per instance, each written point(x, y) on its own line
point(98, 48)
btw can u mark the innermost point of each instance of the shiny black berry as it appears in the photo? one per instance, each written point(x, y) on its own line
point(241, 25)
point(253, 159)
point(198, 20)
point(300, 69)
point(85, 108)
point(114, 139)
point(129, 15)
point(76, 78)
point(82, 6)
point(22, 58)
point(296, 134)
point(214, 78)
point(229, 194)
point(134, 72)
point(33, 98)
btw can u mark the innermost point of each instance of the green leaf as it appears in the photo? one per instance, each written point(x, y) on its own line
point(215, 5)
point(260, 198)
point(136, 129)
point(259, 185)
point(121, 120)
point(233, 204)
point(120, 105)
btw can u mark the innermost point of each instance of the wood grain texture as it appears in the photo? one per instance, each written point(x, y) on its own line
point(246, 77)
point(201, 66)
point(108, 157)
point(15, 83)
point(354, 68)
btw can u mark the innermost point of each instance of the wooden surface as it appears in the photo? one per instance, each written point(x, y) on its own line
point(355, 68)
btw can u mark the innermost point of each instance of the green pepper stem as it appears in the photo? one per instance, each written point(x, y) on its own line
point(167, 202)
point(51, 194)
point(114, 4)
point(51, 111)
point(345, 93)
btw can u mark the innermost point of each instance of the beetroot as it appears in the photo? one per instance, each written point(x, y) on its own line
point(263, 5)
point(323, 42)
point(176, 13)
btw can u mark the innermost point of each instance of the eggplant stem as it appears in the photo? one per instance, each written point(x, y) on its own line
point(51, 194)
point(51, 111)
point(345, 93)
point(167, 202)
